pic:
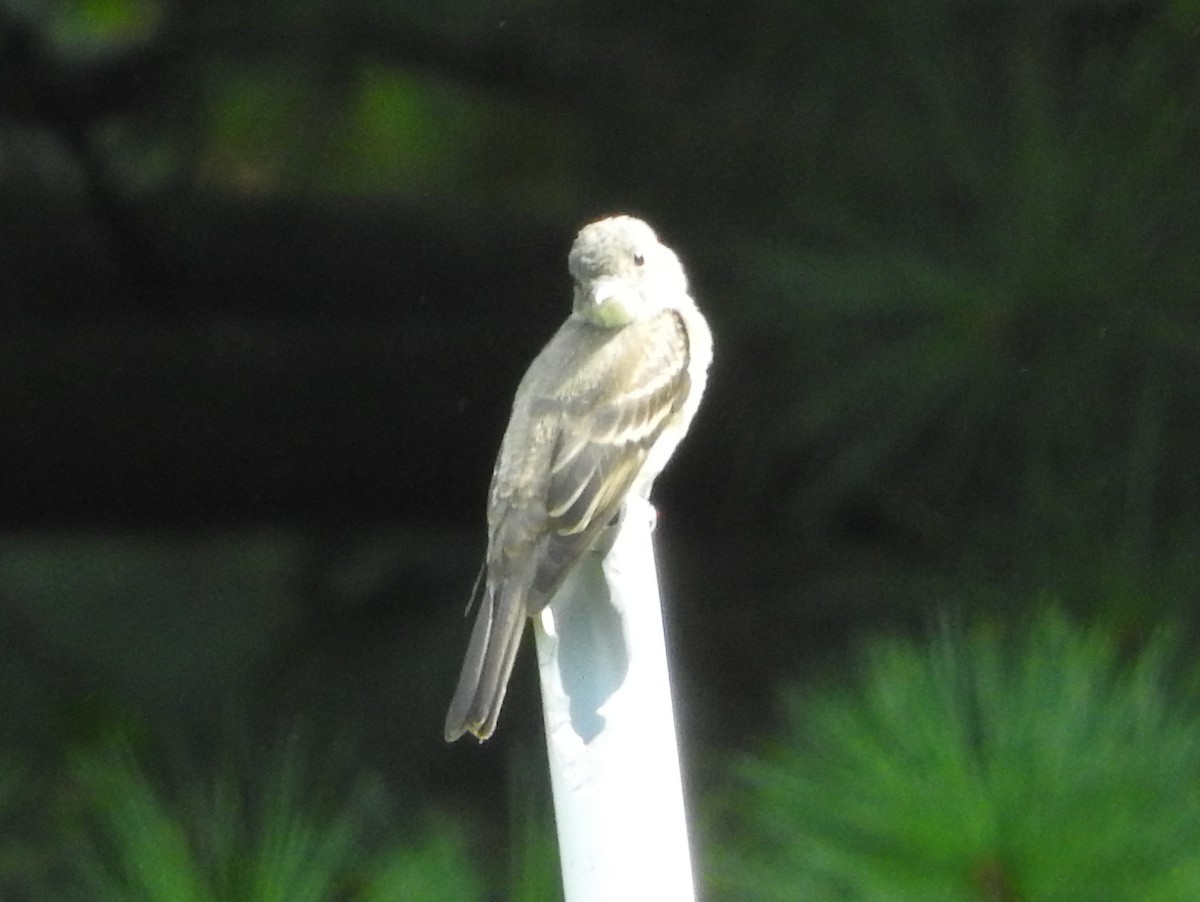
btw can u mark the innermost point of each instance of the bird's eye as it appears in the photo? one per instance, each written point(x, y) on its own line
point(638, 260)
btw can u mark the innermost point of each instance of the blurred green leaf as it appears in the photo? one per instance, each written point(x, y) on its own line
point(97, 26)
point(1045, 764)
point(151, 852)
point(279, 828)
point(437, 868)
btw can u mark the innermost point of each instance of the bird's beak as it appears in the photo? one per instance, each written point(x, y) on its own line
point(609, 302)
point(601, 291)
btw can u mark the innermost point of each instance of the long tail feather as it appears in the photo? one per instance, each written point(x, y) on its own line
point(491, 653)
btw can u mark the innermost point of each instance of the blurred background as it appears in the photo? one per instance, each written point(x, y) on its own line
point(270, 272)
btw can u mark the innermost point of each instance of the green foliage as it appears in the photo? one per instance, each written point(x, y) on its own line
point(279, 830)
point(86, 27)
point(213, 604)
point(987, 317)
point(1046, 765)
point(438, 869)
point(22, 864)
point(534, 872)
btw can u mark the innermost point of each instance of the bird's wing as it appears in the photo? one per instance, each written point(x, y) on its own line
point(612, 413)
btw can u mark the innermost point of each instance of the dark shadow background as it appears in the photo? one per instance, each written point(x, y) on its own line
point(270, 272)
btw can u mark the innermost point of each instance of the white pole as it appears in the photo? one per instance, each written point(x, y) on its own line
point(610, 729)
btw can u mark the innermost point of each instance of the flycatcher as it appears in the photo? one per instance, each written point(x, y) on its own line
point(596, 417)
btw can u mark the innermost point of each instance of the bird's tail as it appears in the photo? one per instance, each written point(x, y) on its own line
point(491, 653)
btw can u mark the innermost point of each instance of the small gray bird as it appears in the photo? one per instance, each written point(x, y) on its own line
point(596, 417)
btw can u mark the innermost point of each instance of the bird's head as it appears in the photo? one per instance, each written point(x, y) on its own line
point(622, 272)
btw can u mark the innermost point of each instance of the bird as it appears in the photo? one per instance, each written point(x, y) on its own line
point(594, 420)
